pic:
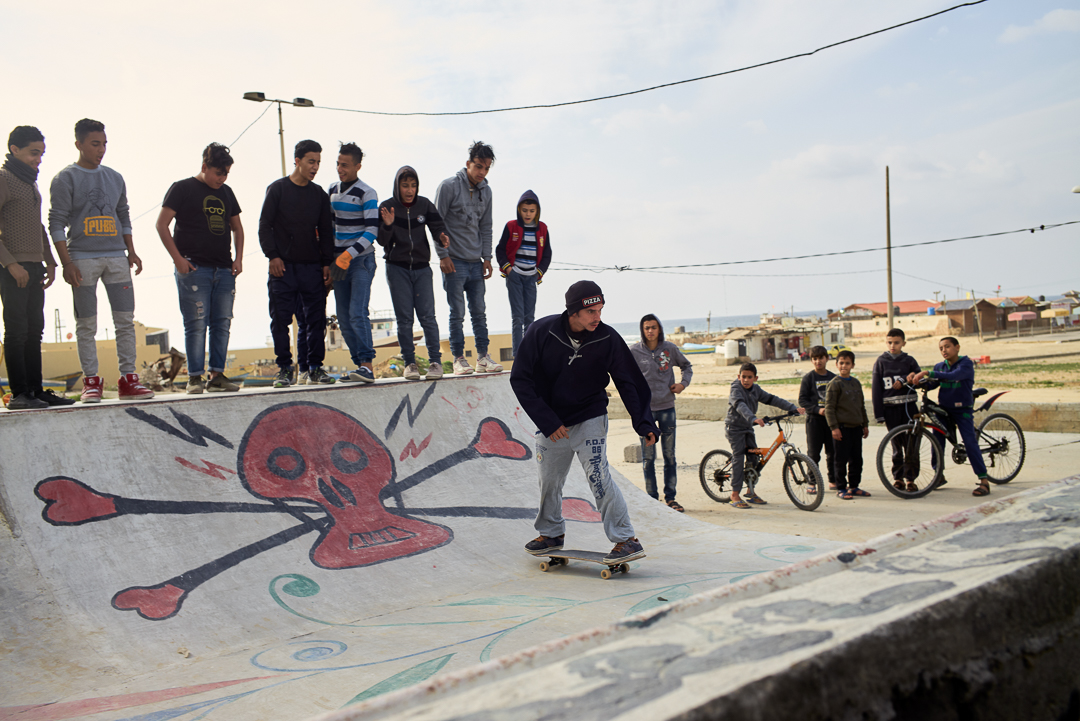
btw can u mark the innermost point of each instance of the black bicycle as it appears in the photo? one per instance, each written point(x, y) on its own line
point(802, 479)
point(909, 459)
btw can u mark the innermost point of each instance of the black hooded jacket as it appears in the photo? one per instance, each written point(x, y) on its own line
point(404, 241)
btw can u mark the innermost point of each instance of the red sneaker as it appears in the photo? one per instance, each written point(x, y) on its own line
point(91, 390)
point(132, 390)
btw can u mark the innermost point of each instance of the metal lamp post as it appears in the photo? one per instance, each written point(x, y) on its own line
point(296, 102)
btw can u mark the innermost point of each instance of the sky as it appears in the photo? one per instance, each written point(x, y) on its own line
point(975, 112)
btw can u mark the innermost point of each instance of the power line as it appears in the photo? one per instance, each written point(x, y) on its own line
point(666, 85)
point(655, 268)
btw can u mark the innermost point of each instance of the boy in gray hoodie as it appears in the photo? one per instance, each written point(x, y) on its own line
point(739, 427)
point(91, 229)
point(656, 359)
point(464, 202)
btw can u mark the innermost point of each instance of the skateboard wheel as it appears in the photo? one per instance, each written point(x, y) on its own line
point(564, 561)
point(605, 574)
point(544, 566)
point(625, 567)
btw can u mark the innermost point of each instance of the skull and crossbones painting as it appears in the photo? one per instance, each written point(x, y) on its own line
point(323, 468)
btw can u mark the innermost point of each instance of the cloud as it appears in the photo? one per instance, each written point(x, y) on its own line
point(1055, 21)
point(757, 127)
point(889, 91)
point(827, 162)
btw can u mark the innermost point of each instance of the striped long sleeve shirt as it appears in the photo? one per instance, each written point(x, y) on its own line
point(356, 217)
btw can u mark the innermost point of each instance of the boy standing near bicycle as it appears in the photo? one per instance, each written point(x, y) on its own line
point(894, 402)
point(812, 399)
point(739, 428)
point(845, 410)
point(956, 377)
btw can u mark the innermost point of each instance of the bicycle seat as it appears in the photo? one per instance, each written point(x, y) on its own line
point(978, 392)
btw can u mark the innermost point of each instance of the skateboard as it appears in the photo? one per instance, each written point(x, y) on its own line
point(562, 558)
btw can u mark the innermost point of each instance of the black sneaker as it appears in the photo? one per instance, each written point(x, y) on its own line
point(221, 384)
point(54, 400)
point(319, 377)
point(542, 544)
point(625, 551)
point(26, 402)
point(284, 377)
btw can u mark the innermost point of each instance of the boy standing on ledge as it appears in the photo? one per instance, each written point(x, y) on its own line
point(91, 229)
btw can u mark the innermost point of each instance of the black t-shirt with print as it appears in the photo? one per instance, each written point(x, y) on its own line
point(202, 231)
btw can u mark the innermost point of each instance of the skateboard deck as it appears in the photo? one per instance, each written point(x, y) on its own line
point(563, 558)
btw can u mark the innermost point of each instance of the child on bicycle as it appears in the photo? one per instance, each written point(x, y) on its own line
point(895, 403)
point(956, 377)
point(739, 427)
point(812, 398)
point(845, 410)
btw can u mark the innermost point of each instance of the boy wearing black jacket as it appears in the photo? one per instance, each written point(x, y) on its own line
point(894, 403)
point(296, 232)
point(408, 270)
point(559, 378)
point(812, 399)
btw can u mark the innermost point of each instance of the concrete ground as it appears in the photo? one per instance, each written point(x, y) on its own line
point(1050, 456)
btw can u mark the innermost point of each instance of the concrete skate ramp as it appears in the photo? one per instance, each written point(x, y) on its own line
point(278, 554)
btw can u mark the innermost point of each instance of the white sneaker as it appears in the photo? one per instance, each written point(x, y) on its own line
point(485, 364)
point(412, 372)
point(434, 371)
point(302, 379)
point(462, 367)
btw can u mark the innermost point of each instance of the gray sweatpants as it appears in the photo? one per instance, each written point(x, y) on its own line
point(587, 441)
point(114, 274)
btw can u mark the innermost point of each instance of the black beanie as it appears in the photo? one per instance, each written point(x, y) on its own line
point(583, 294)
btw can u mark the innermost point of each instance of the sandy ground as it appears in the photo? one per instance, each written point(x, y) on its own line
point(1054, 378)
point(1050, 457)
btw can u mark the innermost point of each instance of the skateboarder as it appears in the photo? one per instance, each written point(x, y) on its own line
point(559, 378)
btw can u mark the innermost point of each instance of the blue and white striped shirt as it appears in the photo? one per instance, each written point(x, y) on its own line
point(356, 217)
point(525, 258)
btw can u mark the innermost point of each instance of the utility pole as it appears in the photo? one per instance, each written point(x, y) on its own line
point(888, 246)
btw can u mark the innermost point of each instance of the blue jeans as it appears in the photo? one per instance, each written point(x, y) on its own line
point(352, 296)
point(666, 420)
point(412, 291)
point(467, 280)
point(522, 292)
point(206, 300)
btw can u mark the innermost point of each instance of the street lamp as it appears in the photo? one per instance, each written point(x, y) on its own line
point(296, 102)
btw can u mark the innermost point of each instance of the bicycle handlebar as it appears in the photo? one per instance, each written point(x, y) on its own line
point(773, 419)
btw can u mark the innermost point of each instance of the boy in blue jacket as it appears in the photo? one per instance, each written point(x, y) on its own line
point(955, 377)
point(559, 378)
point(739, 427)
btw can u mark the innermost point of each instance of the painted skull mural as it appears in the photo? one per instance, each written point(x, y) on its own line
point(313, 463)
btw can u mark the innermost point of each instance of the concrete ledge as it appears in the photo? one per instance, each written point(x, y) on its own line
point(1034, 417)
point(975, 615)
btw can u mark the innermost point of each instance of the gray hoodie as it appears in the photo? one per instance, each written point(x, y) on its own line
point(743, 405)
point(658, 367)
point(466, 211)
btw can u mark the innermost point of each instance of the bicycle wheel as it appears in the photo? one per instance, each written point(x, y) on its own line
point(1001, 441)
point(715, 474)
point(803, 482)
point(921, 461)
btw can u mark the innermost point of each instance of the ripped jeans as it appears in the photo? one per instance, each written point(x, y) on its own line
point(206, 300)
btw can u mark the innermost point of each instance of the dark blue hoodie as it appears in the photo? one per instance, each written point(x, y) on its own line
point(560, 386)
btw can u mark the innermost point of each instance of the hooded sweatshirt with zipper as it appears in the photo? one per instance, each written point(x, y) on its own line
point(658, 367)
point(559, 384)
point(405, 242)
point(466, 211)
point(525, 249)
